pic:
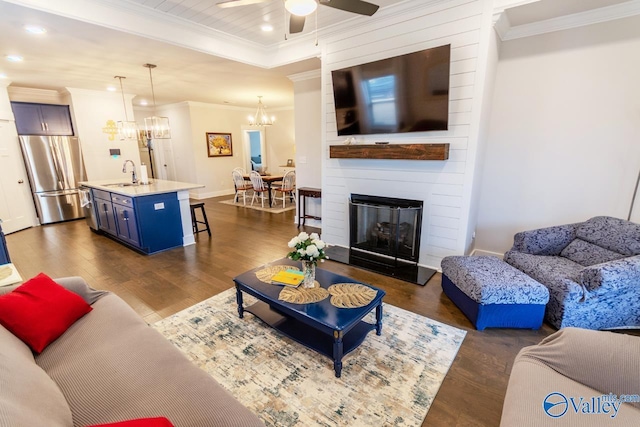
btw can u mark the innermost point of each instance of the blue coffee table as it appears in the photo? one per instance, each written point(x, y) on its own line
point(331, 331)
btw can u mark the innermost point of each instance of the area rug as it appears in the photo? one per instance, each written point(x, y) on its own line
point(277, 207)
point(390, 380)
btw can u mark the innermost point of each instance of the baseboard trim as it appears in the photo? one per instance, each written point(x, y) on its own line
point(480, 252)
point(201, 196)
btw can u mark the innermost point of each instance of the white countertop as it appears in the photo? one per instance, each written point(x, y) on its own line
point(156, 186)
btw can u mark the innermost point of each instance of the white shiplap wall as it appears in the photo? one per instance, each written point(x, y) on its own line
point(443, 186)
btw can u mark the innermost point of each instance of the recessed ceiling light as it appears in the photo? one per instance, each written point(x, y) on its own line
point(14, 58)
point(266, 27)
point(3, 76)
point(143, 102)
point(111, 88)
point(34, 29)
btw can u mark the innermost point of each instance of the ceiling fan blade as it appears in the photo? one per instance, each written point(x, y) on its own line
point(356, 6)
point(235, 3)
point(296, 24)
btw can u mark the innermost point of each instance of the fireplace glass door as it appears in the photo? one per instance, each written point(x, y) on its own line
point(387, 227)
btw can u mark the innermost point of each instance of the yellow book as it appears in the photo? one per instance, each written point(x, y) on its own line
point(287, 278)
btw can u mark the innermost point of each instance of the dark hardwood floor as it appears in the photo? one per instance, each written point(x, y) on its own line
point(159, 285)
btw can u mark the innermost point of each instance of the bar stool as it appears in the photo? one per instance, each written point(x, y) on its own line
point(195, 222)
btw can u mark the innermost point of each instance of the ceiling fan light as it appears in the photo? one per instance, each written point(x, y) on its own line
point(301, 7)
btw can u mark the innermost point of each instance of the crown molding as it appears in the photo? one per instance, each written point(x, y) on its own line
point(99, 94)
point(132, 18)
point(307, 75)
point(220, 106)
point(501, 24)
point(43, 95)
point(590, 17)
point(502, 5)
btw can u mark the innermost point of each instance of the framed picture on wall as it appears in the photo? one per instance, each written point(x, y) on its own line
point(219, 144)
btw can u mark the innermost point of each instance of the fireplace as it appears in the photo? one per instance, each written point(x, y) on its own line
point(385, 227)
point(385, 237)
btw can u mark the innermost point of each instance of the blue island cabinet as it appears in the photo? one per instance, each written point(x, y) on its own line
point(149, 223)
point(159, 222)
point(4, 252)
point(125, 215)
point(106, 216)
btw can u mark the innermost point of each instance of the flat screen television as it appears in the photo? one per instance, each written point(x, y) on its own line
point(408, 93)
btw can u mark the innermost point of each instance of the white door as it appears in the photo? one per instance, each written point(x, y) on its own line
point(17, 211)
point(260, 149)
point(163, 163)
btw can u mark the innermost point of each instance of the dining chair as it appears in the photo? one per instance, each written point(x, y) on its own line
point(287, 188)
point(241, 170)
point(241, 186)
point(260, 189)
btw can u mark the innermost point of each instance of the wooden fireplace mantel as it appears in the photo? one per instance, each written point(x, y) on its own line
point(390, 151)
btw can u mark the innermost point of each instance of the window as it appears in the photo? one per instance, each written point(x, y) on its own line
point(381, 98)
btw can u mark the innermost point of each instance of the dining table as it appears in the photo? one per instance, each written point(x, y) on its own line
point(267, 179)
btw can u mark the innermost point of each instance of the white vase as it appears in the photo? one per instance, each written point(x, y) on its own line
point(309, 271)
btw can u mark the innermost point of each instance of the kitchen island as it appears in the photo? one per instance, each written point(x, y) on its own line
point(147, 217)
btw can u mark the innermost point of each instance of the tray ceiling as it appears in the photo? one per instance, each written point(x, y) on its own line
point(244, 22)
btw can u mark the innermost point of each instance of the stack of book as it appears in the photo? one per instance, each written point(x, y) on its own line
point(288, 277)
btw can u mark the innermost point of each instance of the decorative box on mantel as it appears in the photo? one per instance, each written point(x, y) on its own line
point(390, 151)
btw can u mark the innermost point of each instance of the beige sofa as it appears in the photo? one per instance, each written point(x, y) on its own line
point(570, 379)
point(108, 366)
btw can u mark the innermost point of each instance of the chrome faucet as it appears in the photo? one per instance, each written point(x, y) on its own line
point(134, 179)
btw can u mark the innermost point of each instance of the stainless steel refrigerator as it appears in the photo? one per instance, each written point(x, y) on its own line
point(54, 166)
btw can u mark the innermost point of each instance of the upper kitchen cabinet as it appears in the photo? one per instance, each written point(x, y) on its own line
point(42, 119)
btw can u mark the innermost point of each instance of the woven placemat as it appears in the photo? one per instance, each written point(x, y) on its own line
point(265, 274)
point(5, 272)
point(351, 295)
point(302, 295)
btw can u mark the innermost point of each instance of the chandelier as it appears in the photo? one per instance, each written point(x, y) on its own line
point(126, 129)
point(300, 7)
point(157, 127)
point(261, 118)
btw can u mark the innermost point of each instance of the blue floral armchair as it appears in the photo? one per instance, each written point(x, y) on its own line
point(592, 271)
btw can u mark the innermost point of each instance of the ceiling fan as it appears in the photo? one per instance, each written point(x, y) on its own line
point(300, 9)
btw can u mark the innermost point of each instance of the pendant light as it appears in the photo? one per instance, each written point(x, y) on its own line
point(126, 129)
point(157, 127)
point(261, 118)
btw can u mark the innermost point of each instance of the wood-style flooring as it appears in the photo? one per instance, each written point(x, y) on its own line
point(159, 285)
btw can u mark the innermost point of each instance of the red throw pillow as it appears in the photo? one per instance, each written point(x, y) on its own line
point(142, 422)
point(40, 310)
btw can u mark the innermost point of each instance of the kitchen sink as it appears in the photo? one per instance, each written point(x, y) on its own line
point(121, 184)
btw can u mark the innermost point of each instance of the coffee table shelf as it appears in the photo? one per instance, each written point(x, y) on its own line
point(310, 338)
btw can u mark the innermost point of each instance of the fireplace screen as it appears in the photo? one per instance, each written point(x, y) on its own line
point(385, 229)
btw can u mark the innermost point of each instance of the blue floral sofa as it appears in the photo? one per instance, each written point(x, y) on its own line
point(592, 271)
